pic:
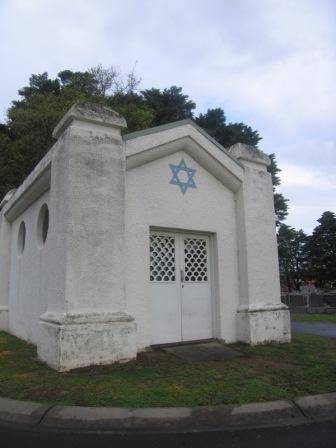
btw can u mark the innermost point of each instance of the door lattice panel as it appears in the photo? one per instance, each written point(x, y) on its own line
point(195, 260)
point(162, 258)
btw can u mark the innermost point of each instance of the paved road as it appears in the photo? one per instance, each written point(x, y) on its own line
point(319, 328)
point(317, 435)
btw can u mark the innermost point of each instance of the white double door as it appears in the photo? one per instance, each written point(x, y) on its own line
point(181, 305)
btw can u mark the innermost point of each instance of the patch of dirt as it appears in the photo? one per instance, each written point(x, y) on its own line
point(223, 365)
point(23, 375)
point(5, 353)
point(154, 356)
point(260, 363)
point(155, 359)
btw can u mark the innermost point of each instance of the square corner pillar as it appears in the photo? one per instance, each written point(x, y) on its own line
point(86, 321)
point(261, 317)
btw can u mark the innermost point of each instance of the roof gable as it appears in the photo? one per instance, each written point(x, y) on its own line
point(176, 124)
point(153, 143)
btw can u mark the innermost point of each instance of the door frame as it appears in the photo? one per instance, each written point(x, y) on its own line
point(213, 264)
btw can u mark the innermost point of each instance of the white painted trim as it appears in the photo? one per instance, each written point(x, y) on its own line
point(85, 318)
point(255, 307)
point(22, 199)
point(215, 299)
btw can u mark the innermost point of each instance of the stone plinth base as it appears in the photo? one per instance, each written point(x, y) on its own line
point(69, 341)
point(4, 324)
point(262, 325)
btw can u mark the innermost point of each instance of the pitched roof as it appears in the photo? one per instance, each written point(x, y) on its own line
point(175, 124)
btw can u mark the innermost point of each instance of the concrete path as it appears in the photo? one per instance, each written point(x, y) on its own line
point(301, 411)
point(319, 328)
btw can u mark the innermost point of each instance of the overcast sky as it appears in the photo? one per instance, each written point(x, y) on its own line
point(268, 63)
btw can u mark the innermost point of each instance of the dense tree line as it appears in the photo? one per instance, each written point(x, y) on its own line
point(313, 257)
point(27, 133)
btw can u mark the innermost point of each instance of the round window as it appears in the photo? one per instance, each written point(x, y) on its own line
point(21, 237)
point(43, 224)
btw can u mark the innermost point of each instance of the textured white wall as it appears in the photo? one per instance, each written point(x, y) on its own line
point(152, 201)
point(88, 174)
point(28, 276)
point(260, 245)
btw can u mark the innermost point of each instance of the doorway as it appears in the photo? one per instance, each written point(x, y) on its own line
point(180, 284)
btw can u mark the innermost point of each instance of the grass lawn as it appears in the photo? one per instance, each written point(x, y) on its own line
point(308, 317)
point(306, 366)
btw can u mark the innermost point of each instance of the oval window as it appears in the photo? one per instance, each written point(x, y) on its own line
point(21, 237)
point(43, 224)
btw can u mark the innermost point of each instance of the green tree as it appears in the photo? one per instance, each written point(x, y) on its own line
point(10, 162)
point(293, 256)
point(280, 202)
point(134, 108)
point(214, 122)
point(27, 134)
point(39, 84)
point(168, 105)
point(30, 123)
point(322, 251)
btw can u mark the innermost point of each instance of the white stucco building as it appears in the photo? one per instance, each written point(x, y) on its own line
point(116, 243)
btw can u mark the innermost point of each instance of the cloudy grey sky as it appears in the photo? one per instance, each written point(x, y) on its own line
point(268, 63)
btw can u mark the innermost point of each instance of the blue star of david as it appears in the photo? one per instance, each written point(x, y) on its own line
point(175, 180)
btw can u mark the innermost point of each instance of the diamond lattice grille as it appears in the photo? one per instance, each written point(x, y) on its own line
point(195, 260)
point(162, 258)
